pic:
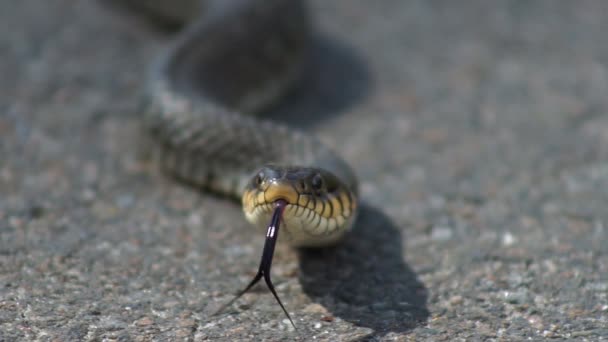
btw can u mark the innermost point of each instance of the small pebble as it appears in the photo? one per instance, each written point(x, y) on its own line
point(315, 308)
point(516, 297)
point(195, 220)
point(456, 300)
point(144, 321)
point(124, 201)
point(441, 233)
point(508, 239)
point(536, 322)
point(549, 334)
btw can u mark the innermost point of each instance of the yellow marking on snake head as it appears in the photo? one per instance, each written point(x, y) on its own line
point(280, 190)
point(346, 204)
point(319, 207)
point(304, 200)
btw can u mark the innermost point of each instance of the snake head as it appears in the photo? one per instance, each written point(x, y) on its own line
point(320, 208)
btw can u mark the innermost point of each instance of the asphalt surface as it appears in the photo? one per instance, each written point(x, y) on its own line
point(478, 130)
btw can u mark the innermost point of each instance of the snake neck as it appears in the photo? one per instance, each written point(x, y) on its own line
point(238, 59)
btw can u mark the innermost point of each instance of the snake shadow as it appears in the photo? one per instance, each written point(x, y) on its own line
point(335, 78)
point(365, 280)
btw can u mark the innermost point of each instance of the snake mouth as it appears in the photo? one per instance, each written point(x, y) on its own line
point(280, 203)
point(280, 192)
point(259, 203)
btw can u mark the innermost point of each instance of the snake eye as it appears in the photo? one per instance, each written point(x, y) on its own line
point(317, 182)
point(259, 178)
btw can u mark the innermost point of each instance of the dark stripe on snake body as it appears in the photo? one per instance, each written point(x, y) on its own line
point(331, 207)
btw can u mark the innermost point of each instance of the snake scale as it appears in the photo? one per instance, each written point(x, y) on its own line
point(233, 60)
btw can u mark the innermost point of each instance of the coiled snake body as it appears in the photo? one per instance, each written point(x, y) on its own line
point(236, 59)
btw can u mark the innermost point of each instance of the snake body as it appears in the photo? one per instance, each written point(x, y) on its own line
point(232, 62)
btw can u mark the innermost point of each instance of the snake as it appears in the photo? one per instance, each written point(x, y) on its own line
point(233, 60)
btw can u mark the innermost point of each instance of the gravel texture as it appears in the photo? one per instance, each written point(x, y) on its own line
point(478, 129)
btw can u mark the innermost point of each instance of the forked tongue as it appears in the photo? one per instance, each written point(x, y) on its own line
point(272, 234)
